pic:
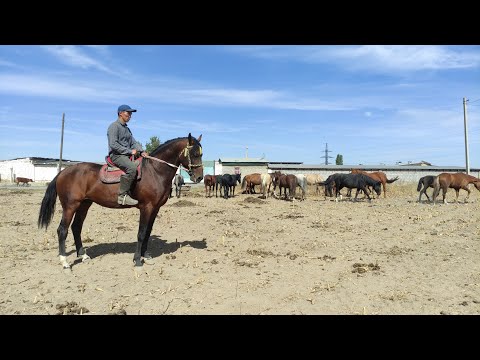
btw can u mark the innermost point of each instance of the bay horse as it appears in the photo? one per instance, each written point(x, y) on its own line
point(209, 181)
point(286, 181)
point(24, 181)
point(377, 176)
point(455, 181)
point(78, 186)
point(249, 182)
point(426, 182)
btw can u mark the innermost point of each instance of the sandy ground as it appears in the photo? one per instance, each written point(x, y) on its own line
point(247, 255)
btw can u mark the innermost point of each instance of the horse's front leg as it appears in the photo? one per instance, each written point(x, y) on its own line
point(147, 218)
point(468, 191)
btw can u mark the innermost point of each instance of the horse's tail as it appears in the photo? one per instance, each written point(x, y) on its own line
point(392, 180)
point(420, 182)
point(436, 188)
point(244, 183)
point(48, 205)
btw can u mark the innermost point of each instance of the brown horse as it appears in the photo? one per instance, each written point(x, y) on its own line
point(455, 181)
point(378, 176)
point(249, 182)
point(79, 186)
point(287, 182)
point(210, 182)
point(22, 180)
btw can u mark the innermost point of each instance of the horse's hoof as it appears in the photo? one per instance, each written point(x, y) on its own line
point(147, 258)
point(138, 270)
point(86, 258)
point(67, 270)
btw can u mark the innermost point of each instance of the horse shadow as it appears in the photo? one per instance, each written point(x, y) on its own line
point(156, 247)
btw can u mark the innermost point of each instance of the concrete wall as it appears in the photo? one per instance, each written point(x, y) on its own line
point(10, 169)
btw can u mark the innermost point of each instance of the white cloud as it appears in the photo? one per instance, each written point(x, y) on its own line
point(374, 58)
point(75, 56)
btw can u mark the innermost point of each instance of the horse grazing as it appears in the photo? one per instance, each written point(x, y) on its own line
point(209, 181)
point(23, 180)
point(352, 181)
point(426, 182)
point(456, 181)
point(302, 183)
point(314, 179)
point(378, 176)
point(79, 186)
point(267, 181)
point(178, 181)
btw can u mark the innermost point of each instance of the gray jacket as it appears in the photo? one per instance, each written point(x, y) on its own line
point(121, 140)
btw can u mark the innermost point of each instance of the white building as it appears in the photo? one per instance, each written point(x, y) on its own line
point(35, 168)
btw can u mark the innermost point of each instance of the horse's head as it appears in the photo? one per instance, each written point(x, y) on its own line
point(378, 187)
point(477, 185)
point(238, 177)
point(191, 158)
point(276, 176)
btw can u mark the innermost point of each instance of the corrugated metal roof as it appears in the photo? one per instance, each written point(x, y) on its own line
point(244, 160)
point(275, 166)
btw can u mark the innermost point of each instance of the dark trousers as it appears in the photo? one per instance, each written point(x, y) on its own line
point(130, 168)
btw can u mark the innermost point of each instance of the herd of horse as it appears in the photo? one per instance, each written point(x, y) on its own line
point(362, 181)
point(358, 179)
point(80, 185)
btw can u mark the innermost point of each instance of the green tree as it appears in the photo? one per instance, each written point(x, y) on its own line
point(153, 144)
point(339, 159)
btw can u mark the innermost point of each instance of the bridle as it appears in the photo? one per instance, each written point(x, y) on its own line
point(186, 153)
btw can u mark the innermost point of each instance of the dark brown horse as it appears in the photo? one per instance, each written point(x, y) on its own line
point(455, 181)
point(287, 182)
point(377, 176)
point(209, 181)
point(79, 186)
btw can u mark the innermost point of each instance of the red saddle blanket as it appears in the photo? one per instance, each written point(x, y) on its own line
point(110, 174)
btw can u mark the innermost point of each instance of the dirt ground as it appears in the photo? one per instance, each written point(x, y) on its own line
point(247, 255)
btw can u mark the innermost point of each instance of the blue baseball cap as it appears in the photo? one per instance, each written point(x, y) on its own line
point(125, 108)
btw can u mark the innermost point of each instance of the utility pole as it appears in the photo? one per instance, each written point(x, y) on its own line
point(61, 145)
point(246, 152)
point(326, 154)
point(466, 134)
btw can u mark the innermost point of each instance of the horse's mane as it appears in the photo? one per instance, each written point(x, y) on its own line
point(161, 147)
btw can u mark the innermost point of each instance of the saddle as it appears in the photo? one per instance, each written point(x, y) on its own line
point(110, 173)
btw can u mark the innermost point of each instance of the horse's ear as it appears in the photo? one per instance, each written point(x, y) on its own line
point(200, 138)
point(190, 139)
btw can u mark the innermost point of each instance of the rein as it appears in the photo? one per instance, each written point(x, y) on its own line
point(162, 161)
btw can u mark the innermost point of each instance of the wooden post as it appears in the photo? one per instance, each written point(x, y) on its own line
point(61, 145)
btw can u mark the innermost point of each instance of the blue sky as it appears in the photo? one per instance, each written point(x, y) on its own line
point(372, 104)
